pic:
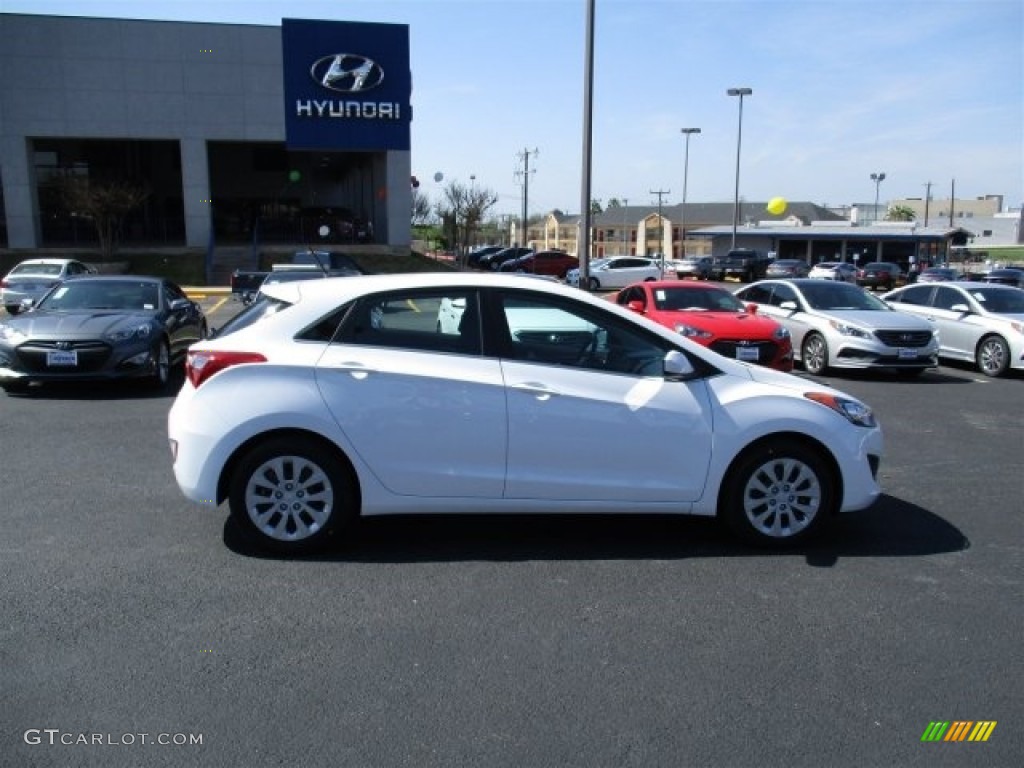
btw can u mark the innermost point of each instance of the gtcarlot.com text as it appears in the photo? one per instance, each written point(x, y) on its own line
point(55, 736)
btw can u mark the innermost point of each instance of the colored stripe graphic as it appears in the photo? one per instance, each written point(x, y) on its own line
point(958, 730)
point(982, 730)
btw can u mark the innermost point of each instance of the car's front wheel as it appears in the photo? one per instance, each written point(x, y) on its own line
point(992, 356)
point(292, 494)
point(778, 493)
point(594, 284)
point(814, 354)
point(161, 365)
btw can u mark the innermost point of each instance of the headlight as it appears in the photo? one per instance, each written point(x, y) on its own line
point(780, 333)
point(849, 330)
point(11, 335)
point(693, 333)
point(852, 410)
point(142, 331)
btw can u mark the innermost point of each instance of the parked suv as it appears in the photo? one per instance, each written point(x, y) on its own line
point(879, 275)
point(746, 264)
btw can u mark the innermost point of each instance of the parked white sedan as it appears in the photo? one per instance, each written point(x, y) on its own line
point(842, 271)
point(978, 323)
point(335, 398)
point(838, 325)
point(617, 272)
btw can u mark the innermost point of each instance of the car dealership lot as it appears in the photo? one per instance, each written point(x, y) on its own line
point(518, 641)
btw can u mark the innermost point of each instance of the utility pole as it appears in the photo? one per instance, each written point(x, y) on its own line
point(524, 175)
point(927, 200)
point(661, 226)
point(625, 227)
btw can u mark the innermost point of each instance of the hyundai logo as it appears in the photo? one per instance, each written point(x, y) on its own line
point(347, 73)
point(63, 345)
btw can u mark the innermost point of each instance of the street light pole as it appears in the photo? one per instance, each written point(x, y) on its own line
point(687, 132)
point(741, 92)
point(878, 178)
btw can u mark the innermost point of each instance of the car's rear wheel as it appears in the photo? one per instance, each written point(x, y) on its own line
point(778, 493)
point(292, 495)
point(992, 356)
point(814, 354)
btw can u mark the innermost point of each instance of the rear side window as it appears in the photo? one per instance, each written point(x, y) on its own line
point(262, 308)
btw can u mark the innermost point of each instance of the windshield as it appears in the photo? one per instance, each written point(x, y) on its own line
point(1001, 302)
point(128, 295)
point(833, 296)
point(37, 269)
point(696, 299)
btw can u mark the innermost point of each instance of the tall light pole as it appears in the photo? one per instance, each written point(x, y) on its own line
point(687, 132)
point(741, 92)
point(878, 178)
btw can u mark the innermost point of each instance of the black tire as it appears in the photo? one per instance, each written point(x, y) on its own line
point(814, 354)
point(312, 488)
point(161, 366)
point(594, 284)
point(778, 493)
point(992, 356)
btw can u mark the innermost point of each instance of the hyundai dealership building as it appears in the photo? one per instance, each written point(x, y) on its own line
point(237, 134)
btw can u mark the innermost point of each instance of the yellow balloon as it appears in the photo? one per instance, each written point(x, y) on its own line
point(776, 206)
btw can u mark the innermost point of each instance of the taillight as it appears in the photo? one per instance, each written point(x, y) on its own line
point(202, 364)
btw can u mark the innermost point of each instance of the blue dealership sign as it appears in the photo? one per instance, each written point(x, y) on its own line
point(347, 85)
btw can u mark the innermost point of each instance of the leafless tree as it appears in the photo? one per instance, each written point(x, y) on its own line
point(104, 202)
point(462, 209)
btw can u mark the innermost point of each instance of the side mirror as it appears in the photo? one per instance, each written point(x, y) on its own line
point(790, 305)
point(26, 305)
point(677, 366)
point(636, 305)
point(179, 304)
point(960, 308)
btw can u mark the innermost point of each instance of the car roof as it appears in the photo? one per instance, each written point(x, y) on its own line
point(321, 295)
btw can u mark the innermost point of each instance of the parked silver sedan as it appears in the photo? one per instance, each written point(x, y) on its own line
point(838, 325)
point(979, 323)
point(32, 278)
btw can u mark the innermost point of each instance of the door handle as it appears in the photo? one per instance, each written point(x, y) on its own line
point(540, 391)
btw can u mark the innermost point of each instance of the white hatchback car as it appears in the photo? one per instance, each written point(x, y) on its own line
point(330, 399)
point(617, 272)
point(979, 323)
point(838, 325)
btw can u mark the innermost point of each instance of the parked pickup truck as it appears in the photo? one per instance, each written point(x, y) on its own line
point(245, 284)
point(746, 264)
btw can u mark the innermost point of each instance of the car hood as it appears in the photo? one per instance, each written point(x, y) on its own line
point(751, 326)
point(85, 323)
point(877, 319)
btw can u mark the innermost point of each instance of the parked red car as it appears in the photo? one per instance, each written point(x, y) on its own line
point(553, 263)
point(713, 317)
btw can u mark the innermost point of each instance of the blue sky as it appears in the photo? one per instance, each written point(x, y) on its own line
point(922, 90)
